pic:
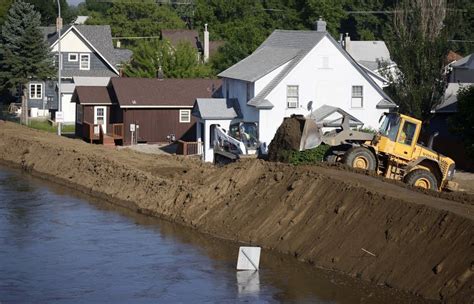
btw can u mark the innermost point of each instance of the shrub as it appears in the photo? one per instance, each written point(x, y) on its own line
point(307, 156)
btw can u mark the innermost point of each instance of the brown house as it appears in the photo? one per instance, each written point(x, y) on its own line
point(140, 110)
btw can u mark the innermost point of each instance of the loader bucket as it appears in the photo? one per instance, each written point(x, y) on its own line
point(311, 136)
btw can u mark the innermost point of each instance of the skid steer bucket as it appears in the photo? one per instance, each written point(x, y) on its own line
point(311, 137)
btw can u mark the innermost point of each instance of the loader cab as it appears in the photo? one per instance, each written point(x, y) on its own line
point(398, 135)
point(246, 132)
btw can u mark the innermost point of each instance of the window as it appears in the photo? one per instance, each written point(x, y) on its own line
point(249, 91)
point(292, 96)
point(79, 113)
point(325, 62)
point(357, 97)
point(36, 91)
point(72, 57)
point(407, 133)
point(184, 116)
point(85, 63)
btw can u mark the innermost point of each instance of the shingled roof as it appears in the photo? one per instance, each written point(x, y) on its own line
point(147, 92)
point(91, 95)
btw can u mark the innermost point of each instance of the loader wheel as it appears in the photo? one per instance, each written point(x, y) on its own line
point(422, 179)
point(360, 158)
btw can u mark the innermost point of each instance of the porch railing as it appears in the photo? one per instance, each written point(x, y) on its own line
point(89, 131)
point(117, 131)
point(189, 148)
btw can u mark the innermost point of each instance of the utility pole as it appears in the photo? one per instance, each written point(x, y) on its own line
point(59, 25)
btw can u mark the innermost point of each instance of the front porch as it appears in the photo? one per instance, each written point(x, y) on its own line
point(95, 133)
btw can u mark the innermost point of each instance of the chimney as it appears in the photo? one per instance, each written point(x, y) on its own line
point(341, 39)
point(347, 42)
point(206, 44)
point(320, 25)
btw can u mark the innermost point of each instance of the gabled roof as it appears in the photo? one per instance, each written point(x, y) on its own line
point(147, 92)
point(91, 95)
point(290, 47)
point(175, 36)
point(369, 51)
point(450, 100)
point(464, 62)
point(99, 37)
point(279, 48)
point(216, 108)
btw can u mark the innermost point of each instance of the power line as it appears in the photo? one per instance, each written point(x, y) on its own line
point(400, 11)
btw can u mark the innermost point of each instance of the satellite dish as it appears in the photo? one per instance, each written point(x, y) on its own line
point(310, 105)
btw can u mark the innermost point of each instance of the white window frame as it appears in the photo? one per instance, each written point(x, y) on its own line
point(73, 60)
point(88, 61)
point(294, 105)
point(357, 97)
point(188, 113)
point(35, 95)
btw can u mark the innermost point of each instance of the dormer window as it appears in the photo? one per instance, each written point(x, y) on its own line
point(72, 57)
point(85, 63)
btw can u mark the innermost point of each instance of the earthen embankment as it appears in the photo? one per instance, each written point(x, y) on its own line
point(335, 219)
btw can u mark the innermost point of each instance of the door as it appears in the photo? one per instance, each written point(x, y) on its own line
point(100, 118)
point(406, 140)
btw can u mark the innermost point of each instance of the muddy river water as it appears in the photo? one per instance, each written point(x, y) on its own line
point(58, 246)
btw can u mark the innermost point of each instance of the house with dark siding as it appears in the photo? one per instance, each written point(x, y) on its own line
point(87, 53)
point(461, 75)
point(140, 110)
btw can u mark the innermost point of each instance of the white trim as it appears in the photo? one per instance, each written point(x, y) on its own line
point(69, 57)
point(104, 125)
point(156, 107)
point(88, 62)
point(91, 45)
point(189, 116)
point(36, 91)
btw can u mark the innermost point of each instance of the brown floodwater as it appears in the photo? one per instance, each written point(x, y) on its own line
point(59, 246)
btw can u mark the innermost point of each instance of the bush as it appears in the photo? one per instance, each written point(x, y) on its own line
point(307, 156)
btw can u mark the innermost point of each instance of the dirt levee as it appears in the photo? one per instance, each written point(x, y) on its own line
point(334, 219)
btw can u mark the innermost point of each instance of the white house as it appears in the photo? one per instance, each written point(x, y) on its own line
point(294, 72)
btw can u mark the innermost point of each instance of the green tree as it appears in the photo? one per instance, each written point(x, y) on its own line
point(462, 123)
point(418, 46)
point(179, 62)
point(48, 10)
point(144, 18)
point(4, 6)
point(24, 54)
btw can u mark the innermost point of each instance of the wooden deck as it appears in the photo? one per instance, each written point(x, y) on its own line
point(90, 135)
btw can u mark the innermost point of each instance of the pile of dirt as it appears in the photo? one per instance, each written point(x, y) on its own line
point(287, 138)
point(334, 219)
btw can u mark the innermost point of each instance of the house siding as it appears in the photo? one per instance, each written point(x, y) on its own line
point(331, 85)
point(157, 124)
point(96, 63)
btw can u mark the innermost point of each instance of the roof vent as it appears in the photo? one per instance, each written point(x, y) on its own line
point(134, 101)
point(320, 25)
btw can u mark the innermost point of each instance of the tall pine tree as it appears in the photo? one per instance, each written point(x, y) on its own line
point(24, 54)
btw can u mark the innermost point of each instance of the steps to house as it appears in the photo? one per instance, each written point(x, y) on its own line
point(108, 141)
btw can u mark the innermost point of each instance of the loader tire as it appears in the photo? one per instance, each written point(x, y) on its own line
point(422, 179)
point(360, 158)
point(332, 158)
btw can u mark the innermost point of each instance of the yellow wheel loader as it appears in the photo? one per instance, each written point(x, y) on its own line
point(392, 152)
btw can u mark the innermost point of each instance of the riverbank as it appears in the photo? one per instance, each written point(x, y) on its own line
point(334, 219)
